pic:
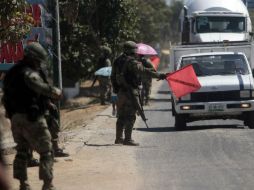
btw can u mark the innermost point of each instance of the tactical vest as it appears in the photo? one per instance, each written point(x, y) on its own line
point(124, 77)
point(18, 98)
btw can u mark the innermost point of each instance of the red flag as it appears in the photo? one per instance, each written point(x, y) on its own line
point(183, 81)
point(155, 61)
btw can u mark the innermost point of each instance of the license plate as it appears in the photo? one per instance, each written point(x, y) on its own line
point(216, 107)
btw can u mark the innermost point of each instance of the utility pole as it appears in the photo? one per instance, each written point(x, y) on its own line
point(57, 63)
point(57, 66)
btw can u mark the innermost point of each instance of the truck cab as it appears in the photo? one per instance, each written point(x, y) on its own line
point(215, 21)
point(227, 89)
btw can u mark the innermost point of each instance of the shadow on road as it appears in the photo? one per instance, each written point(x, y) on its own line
point(99, 145)
point(156, 129)
point(160, 99)
point(189, 128)
point(164, 92)
point(206, 127)
point(163, 110)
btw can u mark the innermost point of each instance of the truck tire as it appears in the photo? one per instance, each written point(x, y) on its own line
point(180, 122)
point(249, 120)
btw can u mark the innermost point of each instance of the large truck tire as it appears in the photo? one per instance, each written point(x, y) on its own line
point(180, 122)
point(249, 120)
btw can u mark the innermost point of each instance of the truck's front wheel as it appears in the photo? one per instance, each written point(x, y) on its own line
point(180, 122)
point(249, 120)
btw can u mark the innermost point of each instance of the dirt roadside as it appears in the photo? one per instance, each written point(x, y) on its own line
point(95, 162)
point(88, 132)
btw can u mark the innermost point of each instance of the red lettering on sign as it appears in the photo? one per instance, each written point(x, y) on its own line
point(11, 52)
point(35, 11)
point(20, 51)
point(37, 15)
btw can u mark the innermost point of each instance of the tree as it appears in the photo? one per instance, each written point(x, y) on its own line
point(98, 23)
point(15, 23)
point(88, 24)
point(175, 9)
point(158, 21)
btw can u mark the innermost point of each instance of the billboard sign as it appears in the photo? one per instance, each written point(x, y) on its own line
point(41, 32)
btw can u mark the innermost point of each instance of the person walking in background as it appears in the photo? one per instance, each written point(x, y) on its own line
point(125, 78)
point(104, 81)
point(25, 98)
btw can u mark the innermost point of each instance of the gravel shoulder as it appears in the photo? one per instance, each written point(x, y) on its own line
point(95, 163)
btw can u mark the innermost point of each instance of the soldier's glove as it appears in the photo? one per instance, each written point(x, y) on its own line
point(56, 93)
point(162, 76)
point(52, 106)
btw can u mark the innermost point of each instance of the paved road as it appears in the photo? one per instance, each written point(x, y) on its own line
point(210, 155)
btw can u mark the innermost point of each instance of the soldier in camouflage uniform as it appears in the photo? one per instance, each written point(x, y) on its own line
point(104, 81)
point(125, 78)
point(52, 117)
point(25, 100)
point(146, 80)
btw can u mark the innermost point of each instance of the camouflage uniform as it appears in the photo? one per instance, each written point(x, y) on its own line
point(126, 73)
point(104, 81)
point(25, 96)
point(53, 117)
point(146, 81)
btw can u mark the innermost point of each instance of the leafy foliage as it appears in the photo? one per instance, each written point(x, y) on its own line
point(14, 21)
point(98, 23)
point(158, 22)
point(88, 24)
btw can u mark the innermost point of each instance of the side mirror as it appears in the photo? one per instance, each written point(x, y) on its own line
point(252, 70)
point(251, 34)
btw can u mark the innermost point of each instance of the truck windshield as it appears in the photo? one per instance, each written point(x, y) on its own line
point(214, 24)
point(217, 64)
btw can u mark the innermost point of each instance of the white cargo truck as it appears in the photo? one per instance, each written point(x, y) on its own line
point(206, 21)
point(227, 89)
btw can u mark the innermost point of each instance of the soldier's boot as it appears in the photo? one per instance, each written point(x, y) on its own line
point(119, 135)
point(58, 152)
point(32, 162)
point(128, 140)
point(48, 185)
point(24, 185)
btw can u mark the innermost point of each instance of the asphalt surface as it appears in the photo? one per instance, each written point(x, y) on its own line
point(209, 155)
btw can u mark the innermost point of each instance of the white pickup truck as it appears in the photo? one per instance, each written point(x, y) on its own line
point(227, 89)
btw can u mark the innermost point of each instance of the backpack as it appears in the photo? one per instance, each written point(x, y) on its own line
point(123, 77)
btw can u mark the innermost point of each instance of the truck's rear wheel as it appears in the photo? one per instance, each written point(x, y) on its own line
point(249, 120)
point(180, 122)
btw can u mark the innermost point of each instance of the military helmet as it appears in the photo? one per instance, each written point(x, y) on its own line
point(106, 50)
point(130, 47)
point(36, 52)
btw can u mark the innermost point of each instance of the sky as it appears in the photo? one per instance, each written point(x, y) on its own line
point(168, 1)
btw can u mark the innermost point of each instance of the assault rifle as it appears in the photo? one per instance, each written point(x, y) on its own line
point(137, 103)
